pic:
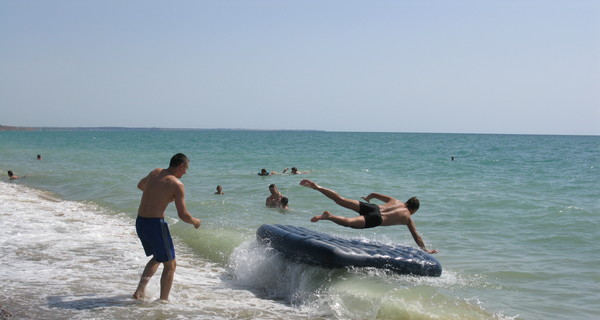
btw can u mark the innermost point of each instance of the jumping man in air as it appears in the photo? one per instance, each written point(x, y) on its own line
point(392, 212)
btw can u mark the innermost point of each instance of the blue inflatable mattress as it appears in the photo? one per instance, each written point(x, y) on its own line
point(307, 246)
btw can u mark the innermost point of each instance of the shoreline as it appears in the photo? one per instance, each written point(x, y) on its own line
point(11, 128)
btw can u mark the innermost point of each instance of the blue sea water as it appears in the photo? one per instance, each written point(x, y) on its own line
point(515, 219)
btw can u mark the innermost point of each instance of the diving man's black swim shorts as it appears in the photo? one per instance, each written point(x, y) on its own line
point(371, 213)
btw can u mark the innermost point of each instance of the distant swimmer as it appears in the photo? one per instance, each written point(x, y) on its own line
point(160, 187)
point(264, 172)
point(393, 212)
point(219, 190)
point(284, 203)
point(12, 176)
point(274, 200)
point(294, 171)
point(39, 157)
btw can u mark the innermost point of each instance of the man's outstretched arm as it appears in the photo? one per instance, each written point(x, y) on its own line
point(182, 211)
point(378, 196)
point(413, 231)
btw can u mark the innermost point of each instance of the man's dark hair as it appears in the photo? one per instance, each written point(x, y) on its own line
point(178, 159)
point(413, 204)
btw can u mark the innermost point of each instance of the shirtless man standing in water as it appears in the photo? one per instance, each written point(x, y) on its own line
point(161, 187)
point(274, 200)
point(393, 212)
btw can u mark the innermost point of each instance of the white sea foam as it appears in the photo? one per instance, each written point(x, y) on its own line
point(64, 259)
point(67, 259)
point(353, 293)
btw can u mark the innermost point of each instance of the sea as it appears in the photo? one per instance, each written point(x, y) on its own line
point(515, 218)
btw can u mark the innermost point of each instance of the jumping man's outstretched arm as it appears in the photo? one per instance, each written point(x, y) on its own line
point(413, 231)
point(379, 196)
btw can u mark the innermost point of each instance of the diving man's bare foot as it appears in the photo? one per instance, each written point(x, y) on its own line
point(309, 184)
point(324, 216)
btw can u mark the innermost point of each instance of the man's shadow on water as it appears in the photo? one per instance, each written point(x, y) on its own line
point(88, 302)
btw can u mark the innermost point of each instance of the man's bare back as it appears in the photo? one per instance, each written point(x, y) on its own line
point(394, 213)
point(159, 187)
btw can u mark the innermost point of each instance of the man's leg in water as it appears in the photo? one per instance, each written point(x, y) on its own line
point(346, 203)
point(354, 222)
point(166, 280)
point(149, 271)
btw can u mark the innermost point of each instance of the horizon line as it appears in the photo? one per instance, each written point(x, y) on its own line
point(124, 128)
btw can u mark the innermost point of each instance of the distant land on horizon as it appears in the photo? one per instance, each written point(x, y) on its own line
point(11, 128)
point(15, 128)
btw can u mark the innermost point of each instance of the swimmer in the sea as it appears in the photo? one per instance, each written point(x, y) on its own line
point(274, 200)
point(392, 212)
point(284, 203)
point(264, 172)
point(293, 171)
point(12, 176)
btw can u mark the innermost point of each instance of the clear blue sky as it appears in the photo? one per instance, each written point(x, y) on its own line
point(505, 66)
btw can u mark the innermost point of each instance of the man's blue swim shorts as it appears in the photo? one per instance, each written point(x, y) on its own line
point(156, 238)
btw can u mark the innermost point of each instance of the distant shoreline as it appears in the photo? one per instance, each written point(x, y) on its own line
point(9, 128)
point(13, 128)
point(106, 129)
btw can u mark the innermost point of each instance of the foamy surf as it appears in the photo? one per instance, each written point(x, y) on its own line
point(353, 293)
point(64, 259)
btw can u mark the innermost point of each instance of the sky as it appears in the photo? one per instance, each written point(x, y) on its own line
point(498, 66)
